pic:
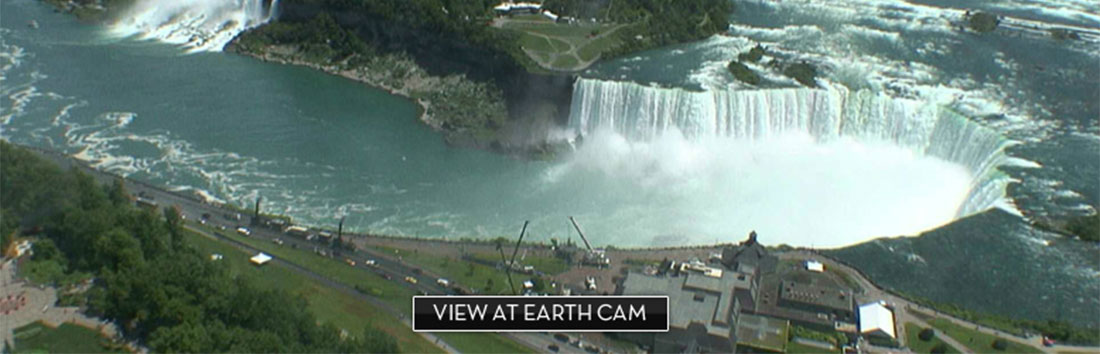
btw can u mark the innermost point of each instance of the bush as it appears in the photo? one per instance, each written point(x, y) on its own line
point(1000, 344)
point(939, 349)
point(1064, 34)
point(1085, 227)
point(804, 73)
point(926, 334)
point(743, 73)
point(753, 55)
point(983, 22)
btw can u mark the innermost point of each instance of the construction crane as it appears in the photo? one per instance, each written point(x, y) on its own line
point(508, 265)
point(593, 257)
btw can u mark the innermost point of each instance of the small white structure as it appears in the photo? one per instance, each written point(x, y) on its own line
point(216, 256)
point(509, 7)
point(23, 247)
point(528, 284)
point(815, 266)
point(550, 15)
point(876, 319)
point(260, 259)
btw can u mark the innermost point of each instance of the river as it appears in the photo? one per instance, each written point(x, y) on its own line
point(666, 158)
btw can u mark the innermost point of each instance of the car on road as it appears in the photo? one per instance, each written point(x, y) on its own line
point(244, 231)
point(349, 261)
point(443, 282)
point(411, 280)
point(370, 263)
point(561, 337)
point(278, 242)
point(553, 348)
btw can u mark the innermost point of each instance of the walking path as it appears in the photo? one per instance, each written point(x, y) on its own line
point(26, 304)
point(904, 309)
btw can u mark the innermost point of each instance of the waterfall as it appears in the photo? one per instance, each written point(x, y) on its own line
point(639, 112)
point(197, 25)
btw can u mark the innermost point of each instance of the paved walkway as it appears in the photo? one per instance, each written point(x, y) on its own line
point(904, 309)
point(29, 304)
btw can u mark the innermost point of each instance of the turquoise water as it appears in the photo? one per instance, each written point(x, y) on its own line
point(318, 147)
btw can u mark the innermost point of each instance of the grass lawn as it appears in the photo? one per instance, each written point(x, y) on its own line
point(328, 304)
point(535, 43)
point(68, 338)
point(470, 274)
point(562, 38)
point(565, 62)
point(917, 345)
point(480, 343)
point(345, 310)
point(335, 269)
point(548, 265)
point(977, 341)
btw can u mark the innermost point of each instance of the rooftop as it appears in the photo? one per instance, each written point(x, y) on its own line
point(762, 332)
point(829, 297)
point(876, 318)
point(693, 298)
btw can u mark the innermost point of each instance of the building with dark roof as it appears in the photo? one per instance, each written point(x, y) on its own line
point(835, 303)
point(749, 257)
point(704, 308)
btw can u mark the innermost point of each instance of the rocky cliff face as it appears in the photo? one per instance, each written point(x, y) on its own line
point(532, 100)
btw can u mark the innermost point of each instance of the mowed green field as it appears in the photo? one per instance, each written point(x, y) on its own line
point(977, 341)
point(563, 46)
point(67, 338)
point(486, 280)
point(917, 345)
point(328, 304)
point(345, 310)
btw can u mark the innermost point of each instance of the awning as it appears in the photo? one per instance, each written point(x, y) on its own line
point(260, 259)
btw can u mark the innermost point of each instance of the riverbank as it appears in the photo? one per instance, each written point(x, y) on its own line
point(194, 206)
point(467, 113)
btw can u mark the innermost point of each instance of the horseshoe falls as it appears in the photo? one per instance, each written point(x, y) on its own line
point(817, 167)
point(197, 25)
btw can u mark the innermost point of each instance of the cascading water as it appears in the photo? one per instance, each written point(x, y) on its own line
point(198, 25)
point(641, 113)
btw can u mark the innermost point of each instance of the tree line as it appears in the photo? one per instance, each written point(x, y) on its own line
point(146, 279)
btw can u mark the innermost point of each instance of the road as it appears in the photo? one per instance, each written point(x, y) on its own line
point(193, 208)
point(904, 309)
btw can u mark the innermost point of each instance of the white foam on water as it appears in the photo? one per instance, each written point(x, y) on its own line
point(197, 25)
point(704, 145)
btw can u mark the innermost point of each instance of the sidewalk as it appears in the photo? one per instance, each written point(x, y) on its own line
point(38, 306)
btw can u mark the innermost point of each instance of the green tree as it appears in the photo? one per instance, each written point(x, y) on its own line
point(377, 341)
point(926, 334)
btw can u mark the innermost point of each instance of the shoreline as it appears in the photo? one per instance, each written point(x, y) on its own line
point(424, 105)
point(621, 255)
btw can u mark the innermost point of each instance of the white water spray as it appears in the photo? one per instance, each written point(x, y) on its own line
point(815, 167)
point(197, 25)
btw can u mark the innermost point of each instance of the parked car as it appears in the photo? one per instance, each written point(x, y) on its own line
point(411, 280)
point(244, 231)
point(370, 263)
point(553, 348)
point(349, 261)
